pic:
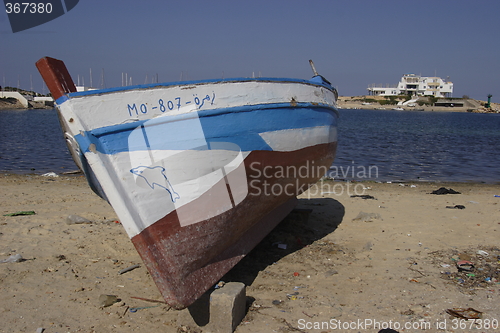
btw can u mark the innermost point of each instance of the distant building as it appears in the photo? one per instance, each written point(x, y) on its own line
point(83, 88)
point(412, 84)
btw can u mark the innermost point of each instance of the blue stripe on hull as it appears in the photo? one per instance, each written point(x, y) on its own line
point(240, 126)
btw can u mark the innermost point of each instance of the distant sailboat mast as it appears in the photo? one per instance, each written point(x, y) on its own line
point(103, 83)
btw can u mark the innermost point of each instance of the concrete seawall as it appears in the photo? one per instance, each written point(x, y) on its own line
point(14, 94)
point(15, 100)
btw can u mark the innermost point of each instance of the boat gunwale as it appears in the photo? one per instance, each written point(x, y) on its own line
point(187, 85)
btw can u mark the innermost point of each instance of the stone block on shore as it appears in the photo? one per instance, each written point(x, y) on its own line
point(218, 311)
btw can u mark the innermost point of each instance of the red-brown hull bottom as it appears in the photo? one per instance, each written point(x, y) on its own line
point(187, 261)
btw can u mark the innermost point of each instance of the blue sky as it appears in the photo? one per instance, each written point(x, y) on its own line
point(353, 43)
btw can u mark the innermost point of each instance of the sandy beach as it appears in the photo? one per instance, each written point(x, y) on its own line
point(385, 257)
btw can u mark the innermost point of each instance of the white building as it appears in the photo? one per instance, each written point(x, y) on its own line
point(411, 84)
point(83, 88)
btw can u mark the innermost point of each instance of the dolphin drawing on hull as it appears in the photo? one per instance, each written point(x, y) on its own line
point(155, 177)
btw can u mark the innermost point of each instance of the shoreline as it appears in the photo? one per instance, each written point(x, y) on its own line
point(390, 257)
point(357, 102)
point(78, 173)
point(344, 102)
point(8, 104)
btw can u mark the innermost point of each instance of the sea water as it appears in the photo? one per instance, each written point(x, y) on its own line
point(31, 141)
point(383, 145)
point(376, 145)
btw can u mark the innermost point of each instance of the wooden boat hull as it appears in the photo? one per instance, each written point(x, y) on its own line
point(165, 243)
point(198, 172)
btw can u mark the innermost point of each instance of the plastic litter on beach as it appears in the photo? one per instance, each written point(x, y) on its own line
point(363, 196)
point(50, 174)
point(73, 172)
point(142, 308)
point(482, 253)
point(75, 219)
point(20, 213)
point(282, 246)
point(13, 258)
point(294, 296)
point(475, 268)
point(465, 265)
point(403, 185)
point(444, 190)
point(219, 285)
point(456, 207)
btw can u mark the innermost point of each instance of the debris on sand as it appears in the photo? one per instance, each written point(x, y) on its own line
point(444, 190)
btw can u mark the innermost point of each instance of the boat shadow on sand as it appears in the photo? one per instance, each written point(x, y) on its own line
point(312, 220)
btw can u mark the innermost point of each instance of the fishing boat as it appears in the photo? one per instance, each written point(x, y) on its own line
point(198, 172)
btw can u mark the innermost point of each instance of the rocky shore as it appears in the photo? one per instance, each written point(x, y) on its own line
point(10, 103)
point(14, 104)
point(377, 103)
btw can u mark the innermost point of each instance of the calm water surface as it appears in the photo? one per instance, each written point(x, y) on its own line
point(417, 145)
point(375, 145)
point(31, 141)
